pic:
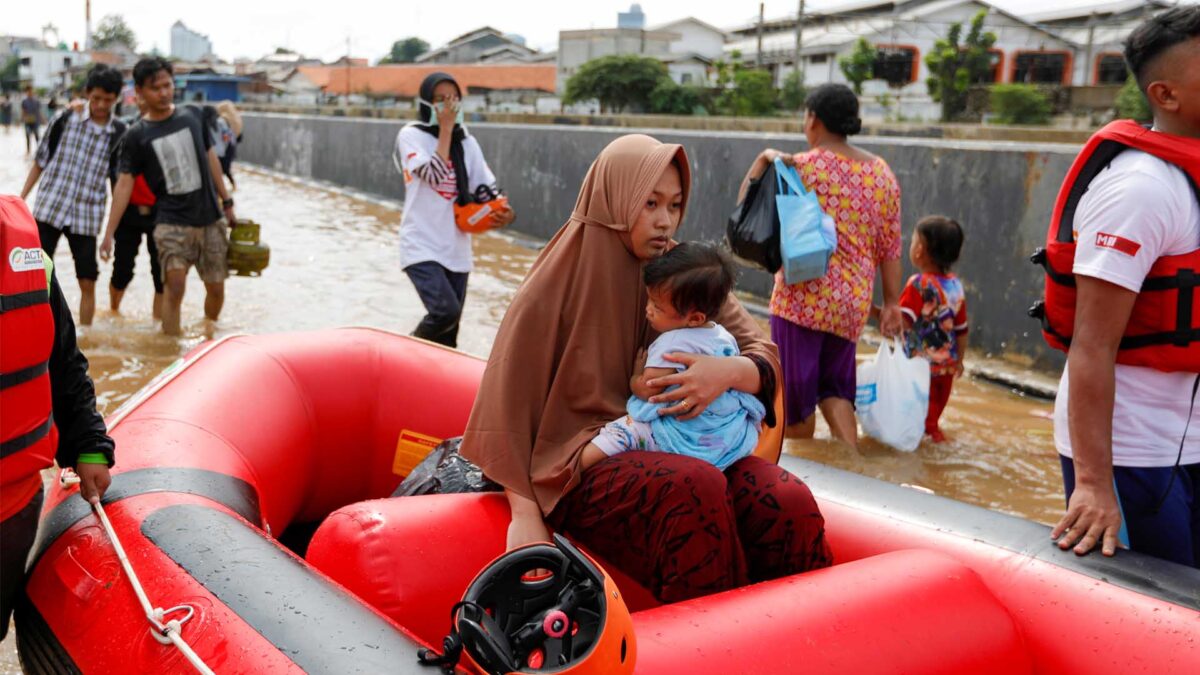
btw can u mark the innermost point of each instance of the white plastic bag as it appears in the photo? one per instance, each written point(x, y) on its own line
point(892, 397)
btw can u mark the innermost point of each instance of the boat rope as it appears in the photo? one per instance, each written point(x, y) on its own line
point(165, 631)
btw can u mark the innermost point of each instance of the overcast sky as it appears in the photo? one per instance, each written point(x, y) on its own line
point(321, 28)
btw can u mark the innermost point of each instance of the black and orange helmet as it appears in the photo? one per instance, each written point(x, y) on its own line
point(540, 608)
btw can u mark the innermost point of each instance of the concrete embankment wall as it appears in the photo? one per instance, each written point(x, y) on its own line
point(1001, 192)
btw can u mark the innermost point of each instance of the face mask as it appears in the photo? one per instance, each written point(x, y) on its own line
point(435, 108)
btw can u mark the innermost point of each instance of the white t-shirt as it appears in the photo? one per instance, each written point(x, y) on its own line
point(1139, 209)
point(427, 229)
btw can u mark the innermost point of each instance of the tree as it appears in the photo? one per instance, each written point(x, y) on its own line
point(859, 66)
point(792, 96)
point(669, 98)
point(753, 94)
point(618, 82)
point(955, 67)
point(112, 31)
point(406, 50)
point(1131, 103)
point(283, 50)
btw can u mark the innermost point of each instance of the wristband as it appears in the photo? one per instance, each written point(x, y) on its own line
point(92, 458)
point(226, 203)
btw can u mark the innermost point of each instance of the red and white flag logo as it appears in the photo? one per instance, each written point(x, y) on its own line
point(1116, 243)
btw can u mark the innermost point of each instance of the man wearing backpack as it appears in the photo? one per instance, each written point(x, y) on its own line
point(73, 163)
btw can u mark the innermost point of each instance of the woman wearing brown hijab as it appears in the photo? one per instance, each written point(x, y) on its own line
point(560, 370)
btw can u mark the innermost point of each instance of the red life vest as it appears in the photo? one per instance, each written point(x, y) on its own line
point(28, 439)
point(1164, 327)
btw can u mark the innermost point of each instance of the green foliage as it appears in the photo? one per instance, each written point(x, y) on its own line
point(1020, 104)
point(111, 31)
point(1132, 103)
point(406, 50)
point(753, 94)
point(859, 66)
point(669, 98)
point(283, 50)
point(618, 82)
point(10, 74)
point(792, 96)
point(954, 67)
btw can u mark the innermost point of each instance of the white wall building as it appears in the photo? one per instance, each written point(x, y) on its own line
point(904, 33)
point(695, 37)
point(1100, 30)
point(577, 47)
point(188, 45)
point(47, 68)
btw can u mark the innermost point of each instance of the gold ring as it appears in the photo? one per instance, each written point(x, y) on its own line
point(687, 403)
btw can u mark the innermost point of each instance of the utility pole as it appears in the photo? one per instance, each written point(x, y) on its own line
point(796, 59)
point(1087, 67)
point(758, 56)
point(87, 25)
point(348, 71)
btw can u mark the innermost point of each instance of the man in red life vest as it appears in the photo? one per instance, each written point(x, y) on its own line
point(47, 401)
point(1127, 395)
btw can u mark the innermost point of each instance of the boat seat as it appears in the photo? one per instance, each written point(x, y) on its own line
point(411, 558)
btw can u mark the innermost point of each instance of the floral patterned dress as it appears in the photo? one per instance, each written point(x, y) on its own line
point(864, 200)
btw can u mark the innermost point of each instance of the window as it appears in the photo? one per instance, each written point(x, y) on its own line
point(1110, 69)
point(818, 58)
point(995, 67)
point(685, 78)
point(896, 64)
point(1042, 68)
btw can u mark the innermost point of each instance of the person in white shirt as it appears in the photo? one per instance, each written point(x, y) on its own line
point(442, 164)
point(1123, 430)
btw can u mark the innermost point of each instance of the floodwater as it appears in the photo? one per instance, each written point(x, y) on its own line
point(335, 262)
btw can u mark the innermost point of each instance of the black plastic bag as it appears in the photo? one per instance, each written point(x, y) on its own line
point(444, 471)
point(753, 229)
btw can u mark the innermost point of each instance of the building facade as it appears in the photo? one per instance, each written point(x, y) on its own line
point(188, 45)
point(48, 68)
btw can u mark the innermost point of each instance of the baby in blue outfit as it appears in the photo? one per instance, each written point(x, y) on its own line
point(687, 286)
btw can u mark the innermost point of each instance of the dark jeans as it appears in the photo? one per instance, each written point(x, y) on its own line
point(127, 240)
point(1162, 515)
point(31, 130)
point(83, 249)
point(443, 293)
point(16, 538)
point(683, 529)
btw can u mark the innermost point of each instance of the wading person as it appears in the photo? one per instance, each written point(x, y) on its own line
point(31, 117)
point(817, 323)
point(73, 163)
point(172, 148)
point(560, 370)
point(1126, 401)
point(442, 165)
point(47, 401)
point(138, 222)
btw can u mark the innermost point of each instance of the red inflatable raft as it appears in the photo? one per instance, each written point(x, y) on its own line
point(231, 457)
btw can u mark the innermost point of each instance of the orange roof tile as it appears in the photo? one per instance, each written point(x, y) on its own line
point(404, 81)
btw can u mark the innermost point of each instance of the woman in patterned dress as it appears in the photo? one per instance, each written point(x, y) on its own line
point(817, 323)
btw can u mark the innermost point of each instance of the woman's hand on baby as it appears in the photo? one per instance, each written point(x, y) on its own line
point(706, 378)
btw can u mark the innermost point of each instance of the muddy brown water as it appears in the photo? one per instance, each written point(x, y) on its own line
point(335, 262)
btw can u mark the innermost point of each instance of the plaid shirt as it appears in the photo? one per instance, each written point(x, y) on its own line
point(71, 194)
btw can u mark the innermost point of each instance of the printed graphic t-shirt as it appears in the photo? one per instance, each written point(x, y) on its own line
point(172, 155)
point(1137, 210)
point(936, 306)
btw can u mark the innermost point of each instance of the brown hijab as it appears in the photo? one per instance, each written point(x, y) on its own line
point(566, 349)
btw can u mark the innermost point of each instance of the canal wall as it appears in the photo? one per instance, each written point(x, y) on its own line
point(1002, 193)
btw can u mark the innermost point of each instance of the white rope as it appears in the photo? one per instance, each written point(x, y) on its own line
point(165, 632)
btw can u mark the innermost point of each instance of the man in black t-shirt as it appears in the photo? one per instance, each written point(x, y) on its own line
point(172, 148)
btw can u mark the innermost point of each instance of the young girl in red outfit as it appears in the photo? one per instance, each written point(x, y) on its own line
point(935, 311)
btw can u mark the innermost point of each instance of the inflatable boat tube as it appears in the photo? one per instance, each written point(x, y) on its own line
point(229, 459)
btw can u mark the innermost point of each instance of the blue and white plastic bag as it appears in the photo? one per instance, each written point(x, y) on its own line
point(807, 235)
point(892, 397)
